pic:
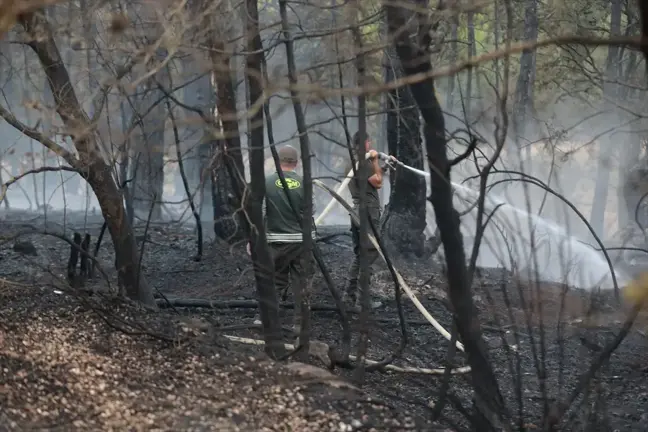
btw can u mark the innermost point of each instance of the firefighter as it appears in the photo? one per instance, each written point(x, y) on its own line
point(284, 232)
point(374, 181)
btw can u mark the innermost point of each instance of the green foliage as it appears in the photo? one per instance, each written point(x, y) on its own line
point(561, 71)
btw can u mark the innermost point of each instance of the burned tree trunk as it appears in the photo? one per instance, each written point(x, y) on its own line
point(454, 54)
point(404, 220)
point(472, 52)
point(606, 146)
point(526, 81)
point(205, 152)
point(631, 153)
point(263, 263)
point(90, 162)
point(227, 223)
point(415, 58)
point(302, 293)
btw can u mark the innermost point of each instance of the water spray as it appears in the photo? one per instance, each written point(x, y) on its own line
point(550, 227)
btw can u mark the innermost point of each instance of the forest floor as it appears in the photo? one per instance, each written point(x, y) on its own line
point(70, 361)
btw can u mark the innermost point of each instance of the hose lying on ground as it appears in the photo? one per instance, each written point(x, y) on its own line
point(336, 197)
point(412, 370)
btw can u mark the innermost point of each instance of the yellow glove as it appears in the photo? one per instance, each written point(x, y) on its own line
point(637, 290)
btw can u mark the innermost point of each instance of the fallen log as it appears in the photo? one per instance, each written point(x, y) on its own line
point(234, 304)
point(253, 304)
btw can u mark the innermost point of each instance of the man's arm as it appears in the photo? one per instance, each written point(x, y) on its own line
point(376, 180)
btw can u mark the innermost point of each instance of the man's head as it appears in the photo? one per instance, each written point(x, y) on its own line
point(288, 157)
point(362, 144)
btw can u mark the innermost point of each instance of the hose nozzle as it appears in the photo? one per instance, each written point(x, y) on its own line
point(389, 160)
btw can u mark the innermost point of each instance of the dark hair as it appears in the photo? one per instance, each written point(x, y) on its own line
point(359, 143)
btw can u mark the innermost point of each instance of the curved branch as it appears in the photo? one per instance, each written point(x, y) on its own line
point(38, 136)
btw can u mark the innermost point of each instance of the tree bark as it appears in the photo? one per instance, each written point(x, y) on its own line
point(454, 55)
point(472, 52)
point(228, 224)
point(263, 263)
point(628, 158)
point(404, 220)
point(523, 106)
point(307, 223)
point(415, 60)
point(90, 162)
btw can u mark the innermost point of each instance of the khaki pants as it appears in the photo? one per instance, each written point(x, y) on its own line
point(290, 262)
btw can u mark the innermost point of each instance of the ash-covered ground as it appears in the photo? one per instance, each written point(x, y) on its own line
point(208, 380)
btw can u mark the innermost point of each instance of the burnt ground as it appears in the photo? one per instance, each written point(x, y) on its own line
point(75, 362)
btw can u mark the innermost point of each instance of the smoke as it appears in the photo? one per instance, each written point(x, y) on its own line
point(562, 141)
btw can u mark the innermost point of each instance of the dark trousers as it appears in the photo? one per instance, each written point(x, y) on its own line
point(355, 272)
point(290, 266)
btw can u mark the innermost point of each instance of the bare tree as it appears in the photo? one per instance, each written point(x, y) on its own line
point(90, 162)
point(263, 264)
point(404, 219)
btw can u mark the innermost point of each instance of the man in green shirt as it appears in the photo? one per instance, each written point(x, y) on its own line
point(374, 181)
point(284, 231)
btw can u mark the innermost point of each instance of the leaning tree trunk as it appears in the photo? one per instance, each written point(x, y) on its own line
point(415, 58)
point(606, 145)
point(404, 220)
point(90, 162)
point(263, 264)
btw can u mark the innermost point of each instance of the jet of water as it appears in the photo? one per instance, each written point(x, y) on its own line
point(554, 255)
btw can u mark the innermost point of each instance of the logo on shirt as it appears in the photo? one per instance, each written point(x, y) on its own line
point(291, 183)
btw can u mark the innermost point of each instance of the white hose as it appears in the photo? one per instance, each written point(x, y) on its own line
point(399, 278)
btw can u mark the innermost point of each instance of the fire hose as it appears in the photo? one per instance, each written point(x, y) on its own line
point(336, 197)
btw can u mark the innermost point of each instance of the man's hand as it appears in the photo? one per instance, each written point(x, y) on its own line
point(372, 154)
point(249, 250)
